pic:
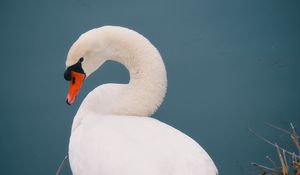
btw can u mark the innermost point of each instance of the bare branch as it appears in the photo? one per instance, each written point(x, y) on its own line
point(61, 165)
point(278, 128)
point(273, 144)
point(265, 168)
point(285, 161)
point(272, 162)
point(295, 137)
point(284, 170)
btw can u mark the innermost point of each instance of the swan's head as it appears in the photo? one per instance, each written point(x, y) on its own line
point(84, 57)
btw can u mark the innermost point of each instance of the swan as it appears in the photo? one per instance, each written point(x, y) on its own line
point(112, 132)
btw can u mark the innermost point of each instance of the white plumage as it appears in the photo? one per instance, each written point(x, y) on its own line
point(112, 132)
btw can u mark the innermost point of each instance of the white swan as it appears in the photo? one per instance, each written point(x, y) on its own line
point(112, 132)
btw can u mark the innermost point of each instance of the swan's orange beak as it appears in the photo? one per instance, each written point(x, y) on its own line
point(75, 85)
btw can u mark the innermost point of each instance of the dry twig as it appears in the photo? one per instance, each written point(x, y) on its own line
point(61, 165)
point(284, 169)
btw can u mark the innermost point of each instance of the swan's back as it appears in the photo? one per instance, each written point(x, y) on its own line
point(129, 145)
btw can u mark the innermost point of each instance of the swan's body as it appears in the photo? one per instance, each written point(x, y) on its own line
point(112, 132)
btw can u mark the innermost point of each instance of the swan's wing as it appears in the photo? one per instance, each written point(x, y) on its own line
point(198, 160)
point(130, 145)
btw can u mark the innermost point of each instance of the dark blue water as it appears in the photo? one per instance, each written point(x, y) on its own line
point(231, 64)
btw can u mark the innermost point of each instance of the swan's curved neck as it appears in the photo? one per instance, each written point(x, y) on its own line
point(148, 81)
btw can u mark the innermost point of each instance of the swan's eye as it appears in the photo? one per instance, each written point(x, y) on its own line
point(81, 60)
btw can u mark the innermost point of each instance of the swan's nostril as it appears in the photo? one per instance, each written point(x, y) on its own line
point(73, 80)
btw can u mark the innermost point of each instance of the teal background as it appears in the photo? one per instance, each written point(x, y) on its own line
point(231, 64)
